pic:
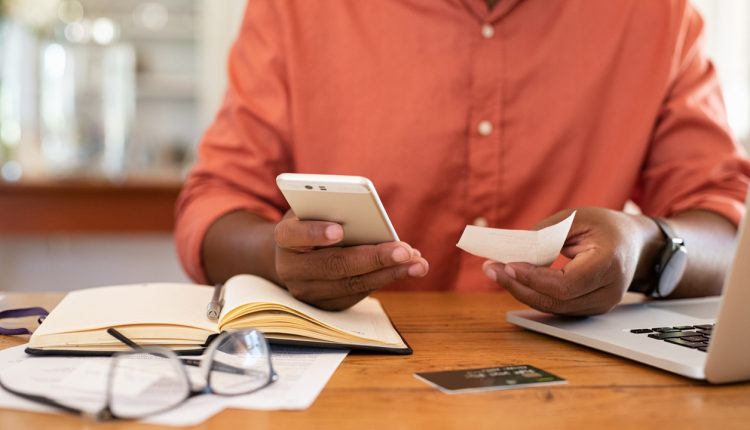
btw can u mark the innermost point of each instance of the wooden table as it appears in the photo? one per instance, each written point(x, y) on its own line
point(449, 331)
point(88, 206)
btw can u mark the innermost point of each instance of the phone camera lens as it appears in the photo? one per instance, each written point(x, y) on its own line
point(309, 187)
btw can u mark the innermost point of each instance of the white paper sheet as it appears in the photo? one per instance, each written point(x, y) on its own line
point(540, 247)
point(303, 372)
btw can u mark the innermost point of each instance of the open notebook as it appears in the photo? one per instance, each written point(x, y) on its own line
point(174, 315)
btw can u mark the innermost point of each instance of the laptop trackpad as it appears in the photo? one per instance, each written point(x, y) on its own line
point(707, 308)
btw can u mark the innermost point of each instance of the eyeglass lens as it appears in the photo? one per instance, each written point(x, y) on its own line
point(240, 364)
point(143, 383)
point(146, 382)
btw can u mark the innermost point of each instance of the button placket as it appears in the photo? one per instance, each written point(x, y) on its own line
point(485, 120)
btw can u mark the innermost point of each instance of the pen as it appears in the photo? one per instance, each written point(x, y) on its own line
point(217, 301)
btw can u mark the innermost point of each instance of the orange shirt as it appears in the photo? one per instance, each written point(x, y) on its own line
point(462, 115)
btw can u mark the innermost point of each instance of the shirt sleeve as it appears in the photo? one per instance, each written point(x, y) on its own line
point(693, 162)
point(247, 145)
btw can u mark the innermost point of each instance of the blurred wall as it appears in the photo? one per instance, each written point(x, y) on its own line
point(215, 46)
point(63, 262)
point(728, 44)
point(66, 262)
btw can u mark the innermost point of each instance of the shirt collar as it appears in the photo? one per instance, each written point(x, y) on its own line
point(478, 9)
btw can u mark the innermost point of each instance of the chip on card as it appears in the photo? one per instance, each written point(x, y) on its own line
point(489, 378)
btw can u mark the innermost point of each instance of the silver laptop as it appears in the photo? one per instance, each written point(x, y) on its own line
point(704, 338)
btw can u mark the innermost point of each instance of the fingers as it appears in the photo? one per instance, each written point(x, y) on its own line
point(341, 293)
point(329, 293)
point(586, 272)
point(291, 233)
point(340, 303)
point(569, 291)
point(604, 250)
point(339, 263)
point(598, 301)
point(335, 278)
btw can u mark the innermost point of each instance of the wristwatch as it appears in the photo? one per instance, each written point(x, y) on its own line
point(669, 267)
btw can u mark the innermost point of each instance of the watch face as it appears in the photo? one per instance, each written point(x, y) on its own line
point(672, 272)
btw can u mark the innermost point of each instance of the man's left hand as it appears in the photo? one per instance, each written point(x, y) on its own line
point(604, 247)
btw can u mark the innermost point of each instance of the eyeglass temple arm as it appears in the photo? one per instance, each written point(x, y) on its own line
point(189, 361)
point(102, 415)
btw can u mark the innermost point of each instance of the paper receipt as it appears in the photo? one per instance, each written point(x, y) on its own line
point(540, 247)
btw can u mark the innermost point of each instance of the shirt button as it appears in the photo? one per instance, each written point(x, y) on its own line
point(488, 31)
point(481, 222)
point(484, 128)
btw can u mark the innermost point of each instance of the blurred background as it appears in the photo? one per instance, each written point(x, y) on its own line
point(102, 105)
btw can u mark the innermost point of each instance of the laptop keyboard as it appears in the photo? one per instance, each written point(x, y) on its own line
point(690, 336)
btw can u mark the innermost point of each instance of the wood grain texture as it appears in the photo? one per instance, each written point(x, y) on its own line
point(449, 331)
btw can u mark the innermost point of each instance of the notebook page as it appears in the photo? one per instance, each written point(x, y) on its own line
point(365, 319)
point(157, 303)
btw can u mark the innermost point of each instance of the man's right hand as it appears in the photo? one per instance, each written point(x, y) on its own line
point(335, 278)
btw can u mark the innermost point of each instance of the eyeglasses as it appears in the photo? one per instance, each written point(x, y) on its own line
point(149, 380)
point(21, 313)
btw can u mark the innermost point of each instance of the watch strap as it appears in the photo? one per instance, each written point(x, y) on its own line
point(666, 230)
point(650, 285)
point(671, 264)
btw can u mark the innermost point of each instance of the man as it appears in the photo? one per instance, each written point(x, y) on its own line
point(467, 111)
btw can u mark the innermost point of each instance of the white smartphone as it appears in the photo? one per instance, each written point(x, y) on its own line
point(348, 200)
